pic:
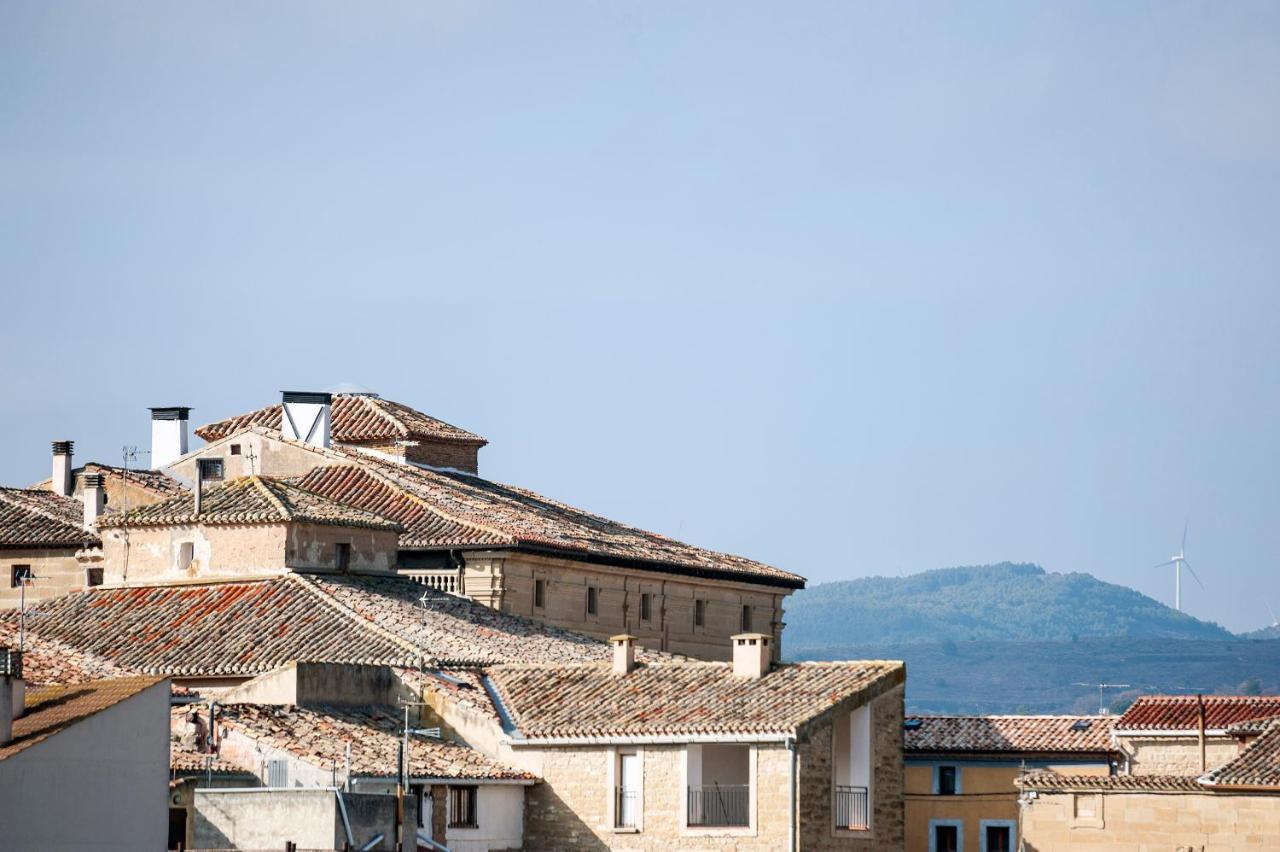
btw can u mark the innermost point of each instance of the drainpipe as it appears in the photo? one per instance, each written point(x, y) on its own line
point(1200, 723)
point(791, 821)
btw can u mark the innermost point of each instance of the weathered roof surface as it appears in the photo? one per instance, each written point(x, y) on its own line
point(675, 699)
point(1257, 766)
point(240, 628)
point(1046, 781)
point(49, 661)
point(355, 418)
point(34, 517)
point(157, 482)
point(485, 513)
point(320, 736)
point(251, 500)
point(51, 709)
point(1180, 713)
point(1040, 734)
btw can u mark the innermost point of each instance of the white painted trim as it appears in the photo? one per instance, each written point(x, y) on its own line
point(640, 739)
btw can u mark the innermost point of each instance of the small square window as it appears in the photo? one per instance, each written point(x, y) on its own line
point(593, 600)
point(235, 449)
point(746, 618)
point(646, 607)
point(946, 780)
point(539, 593)
point(18, 574)
point(462, 807)
point(210, 469)
point(699, 613)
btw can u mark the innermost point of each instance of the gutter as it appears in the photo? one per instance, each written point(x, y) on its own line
point(516, 741)
point(791, 799)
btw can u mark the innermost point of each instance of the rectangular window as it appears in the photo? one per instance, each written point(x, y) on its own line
point(646, 607)
point(540, 593)
point(699, 613)
point(946, 838)
point(18, 574)
point(186, 553)
point(209, 469)
point(593, 600)
point(342, 555)
point(946, 780)
point(997, 838)
point(626, 812)
point(746, 618)
point(235, 449)
point(462, 807)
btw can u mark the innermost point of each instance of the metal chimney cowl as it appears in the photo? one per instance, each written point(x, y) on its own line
point(305, 417)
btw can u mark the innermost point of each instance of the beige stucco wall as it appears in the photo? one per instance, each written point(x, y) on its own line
point(100, 783)
point(505, 580)
point(1176, 755)
point(58, 570)
point(1154, 822)
point(311, 546)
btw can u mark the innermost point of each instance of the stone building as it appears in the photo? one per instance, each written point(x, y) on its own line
point(961, 773)
point(1162, 734)
point(41, 536)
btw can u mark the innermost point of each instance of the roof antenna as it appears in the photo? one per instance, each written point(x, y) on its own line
point(1103, 710)
point(252, 458)
point(128, 454)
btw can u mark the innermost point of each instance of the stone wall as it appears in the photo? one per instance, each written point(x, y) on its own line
point(1176, 755)
point(1155, 822)
point(58, 570)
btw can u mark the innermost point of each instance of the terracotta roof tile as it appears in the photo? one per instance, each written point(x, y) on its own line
point(34, 517)
point(157, 482)
point(250, 500)
point(320, 735)
point(51, 709)
point(1257, 766)
point(680, 699)
point(1179, 712)
point(1039, 734)
point(49, 661)
point(1046, 781)
point(355, 418)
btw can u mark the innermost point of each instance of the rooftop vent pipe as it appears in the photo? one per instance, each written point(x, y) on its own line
point(61, 482)
point(306, 417)
point(95, 499)
point(168, 435)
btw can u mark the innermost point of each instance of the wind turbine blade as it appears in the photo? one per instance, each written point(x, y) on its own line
point(1187, 565)
point(1166, 564)
point(1184, 535)
point(1274, 620)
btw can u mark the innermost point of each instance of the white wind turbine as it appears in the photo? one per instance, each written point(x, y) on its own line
point(1275, 622)
point(1179, 562)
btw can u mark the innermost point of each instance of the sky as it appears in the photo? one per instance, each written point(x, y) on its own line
point(850, 288)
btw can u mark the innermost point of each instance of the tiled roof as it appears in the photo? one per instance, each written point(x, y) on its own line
point(33, 517)
point(320, 735)
point(462, 687)
point(1046, 781)
point(1257, 766)
point(1180, 713)
point(486, 513)
point(1039, 734)
point(250, 500)
point(1252, 727)
point(51, 709)
point(355, 418)
point(423, 526)
point(157, 482)
point(49, 661)
point(680, 699)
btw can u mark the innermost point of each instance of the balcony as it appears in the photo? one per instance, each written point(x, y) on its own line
point(851, 807)
point(720, 806)
point(626, 807)
point(448, 581)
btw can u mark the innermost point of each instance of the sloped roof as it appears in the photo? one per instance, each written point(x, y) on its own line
point(1180, 713)
point(1046, 781)
point(355, 418)
point(1039, 734)
point(157, 482)
point(680, 699)
point(1257, 766)
point(320, 736)
point(34, 517)
point(485, 513)
point(50, 661)
point(251, 500)
point(51, 709)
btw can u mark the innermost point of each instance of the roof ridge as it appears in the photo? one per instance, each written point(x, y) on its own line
point(40, 494)
point(264, 487)
point(348, 612)
point(373, 404)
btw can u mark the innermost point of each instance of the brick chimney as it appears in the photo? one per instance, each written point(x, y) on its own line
point(61, 482)
point(95, 499)
point(306, 417)
point(752, 654)
point(624, 653)
point(13, 692)
point(168, 435)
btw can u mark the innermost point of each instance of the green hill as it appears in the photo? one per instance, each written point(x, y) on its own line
point(1006, 602)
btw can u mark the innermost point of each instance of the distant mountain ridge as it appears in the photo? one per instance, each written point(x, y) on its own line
point(1005, 602)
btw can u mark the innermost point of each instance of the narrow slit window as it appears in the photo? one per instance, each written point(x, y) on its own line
point(646, 607)
point(699, 613)
point(593, 600)
point(746, 618)
point(342, 555)
point(539, 593)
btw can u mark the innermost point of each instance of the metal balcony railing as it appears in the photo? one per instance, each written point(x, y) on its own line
point(626, 807)
point(720, 805)
point(10, 662)
point(851, 807)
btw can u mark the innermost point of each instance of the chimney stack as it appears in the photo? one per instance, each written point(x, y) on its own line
point(95, 499)
point(306, 417)
point(13, 692)
point(752, 654)
point(624, 653)
point(62, 482)
point(168, 435)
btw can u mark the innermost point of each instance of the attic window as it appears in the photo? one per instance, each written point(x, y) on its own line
point(210, 469)
point(235, 449)
point(18, 574)
point(912, 724)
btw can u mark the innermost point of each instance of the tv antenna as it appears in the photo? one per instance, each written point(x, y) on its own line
point(1102, 687)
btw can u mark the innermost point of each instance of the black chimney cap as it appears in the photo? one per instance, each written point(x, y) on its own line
point(63, 448)
point(176, 412)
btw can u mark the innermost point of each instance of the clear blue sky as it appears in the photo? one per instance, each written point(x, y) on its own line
point(851, 288)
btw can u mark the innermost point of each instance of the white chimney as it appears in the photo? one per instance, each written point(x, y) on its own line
point(306, 417)
point(61, 482)
point(95, 499)
point(168, 435)
point(752, 654)
point(624, 653)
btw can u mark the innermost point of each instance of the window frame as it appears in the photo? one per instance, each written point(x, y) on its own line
point(539, 593)
point(646, 607)
point(16, 581)
point(699, 613)
point(470, 794)
point(1010, 824)
point(342, 556)
point(593, 601)
point(745, 619)
point(935, 824)
point(204, 465)
point(937, 779)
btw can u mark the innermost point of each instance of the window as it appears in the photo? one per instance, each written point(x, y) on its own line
point(626, 810)
point(996, 835)
point(342, 556)
point(18, 574)
point(462, 807)
point(946, 781)
point(699, 613)
point(746, 618)
point(944, 835)
point(210, 469)
point(235, 449)
point(719, 791)
point(646, 607)
point(593, 600)
point(540, 593)
point(851, 775)
point(186, 553)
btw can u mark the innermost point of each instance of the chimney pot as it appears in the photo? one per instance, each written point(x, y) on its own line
point(94, 499)
point(624, 653)
point(168, 435)
point(752, 654)
point(62, 480)
point(305, 416)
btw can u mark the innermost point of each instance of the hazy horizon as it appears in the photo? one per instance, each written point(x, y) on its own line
point(851, 289)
